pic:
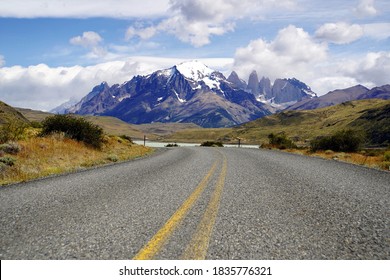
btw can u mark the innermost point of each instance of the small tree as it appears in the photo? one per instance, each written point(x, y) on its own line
point(75, 128)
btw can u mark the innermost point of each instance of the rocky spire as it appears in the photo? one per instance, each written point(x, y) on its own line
point(234, 79)
point(253, 83)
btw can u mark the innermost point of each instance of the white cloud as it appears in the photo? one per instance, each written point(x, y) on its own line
point(43, 88)
point(143, 33)
point(379, 31)
point(292, 53)
point(91, 41)
point(196, 21)
point(340, 32)
point(88, 39)
point(366, 8)
point(373, 68)
point(82, 8)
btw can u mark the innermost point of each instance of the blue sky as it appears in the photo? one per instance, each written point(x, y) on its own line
point(54, 50)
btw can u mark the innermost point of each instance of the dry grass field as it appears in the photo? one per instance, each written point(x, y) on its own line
point(55, 154)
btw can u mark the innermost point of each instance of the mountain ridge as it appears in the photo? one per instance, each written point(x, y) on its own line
point(339, 96)
point(187, 92)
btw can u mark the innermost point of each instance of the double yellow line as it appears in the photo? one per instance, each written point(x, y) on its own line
point(197, 247)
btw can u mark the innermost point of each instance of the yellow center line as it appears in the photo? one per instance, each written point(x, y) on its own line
point(159, 239)
point(198, 246)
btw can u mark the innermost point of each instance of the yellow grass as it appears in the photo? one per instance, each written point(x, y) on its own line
point(362, 158)
point(41, 157)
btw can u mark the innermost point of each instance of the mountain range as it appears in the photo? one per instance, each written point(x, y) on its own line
point(191, 92)
point(339, 96)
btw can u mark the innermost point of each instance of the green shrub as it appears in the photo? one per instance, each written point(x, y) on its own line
point(9, 161)
point(75, 128)
point(170, 145)
point(113, 158)
point(281, 141)
point(12, 130)
point(211, 144)
point(385, 165)
point(386, 156)
point(126, 137)
point(12, 148)
point(341, 141)
point(35, 124)
point(3, 167)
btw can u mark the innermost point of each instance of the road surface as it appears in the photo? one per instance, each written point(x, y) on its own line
point(202, 203)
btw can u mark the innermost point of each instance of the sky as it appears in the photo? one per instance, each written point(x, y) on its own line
point(52, 51)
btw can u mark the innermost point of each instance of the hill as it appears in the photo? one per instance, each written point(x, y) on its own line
point(371, 116)
point(8, 113)
point(115, 126)
point(110, 125)
point(339, 96)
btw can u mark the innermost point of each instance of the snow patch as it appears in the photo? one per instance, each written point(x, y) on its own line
point(194, 70)
point(178, 98)
point(212, 84)
point(124, 97)
point(309, 92)
point(166, 72)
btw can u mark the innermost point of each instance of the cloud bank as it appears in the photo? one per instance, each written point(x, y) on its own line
point(196, 21)
point(82, 8)
point(295, 53)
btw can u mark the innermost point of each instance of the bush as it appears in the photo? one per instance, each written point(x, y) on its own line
point(211, 144)
point(281, 141)
point(126, 137)
point(35, 124)
point(386, 156)
point(9, 161)
point(341, 141)
point(385, 165)
point(75, 128)
point(3, 167)
point(171, 145)
point(12, 131)
point(12, 148)
point(113, 158)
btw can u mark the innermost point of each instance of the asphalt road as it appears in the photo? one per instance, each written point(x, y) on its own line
point(202, 203)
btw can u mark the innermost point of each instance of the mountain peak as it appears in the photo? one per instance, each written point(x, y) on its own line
point(194, 70)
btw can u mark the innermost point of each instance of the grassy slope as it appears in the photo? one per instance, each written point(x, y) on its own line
point(115, 126)
point(56, 155)
point(9, 113)
point(299, 125)
point(43, 156)
point(165, 128)
point(110, 125)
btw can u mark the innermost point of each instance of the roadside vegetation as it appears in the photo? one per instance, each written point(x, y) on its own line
point(343, 145)
point(211, 144)
point(280, 141)
point(172, 145)
point(57, 145)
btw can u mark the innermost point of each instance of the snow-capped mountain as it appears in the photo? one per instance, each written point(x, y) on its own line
point(187, 92)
